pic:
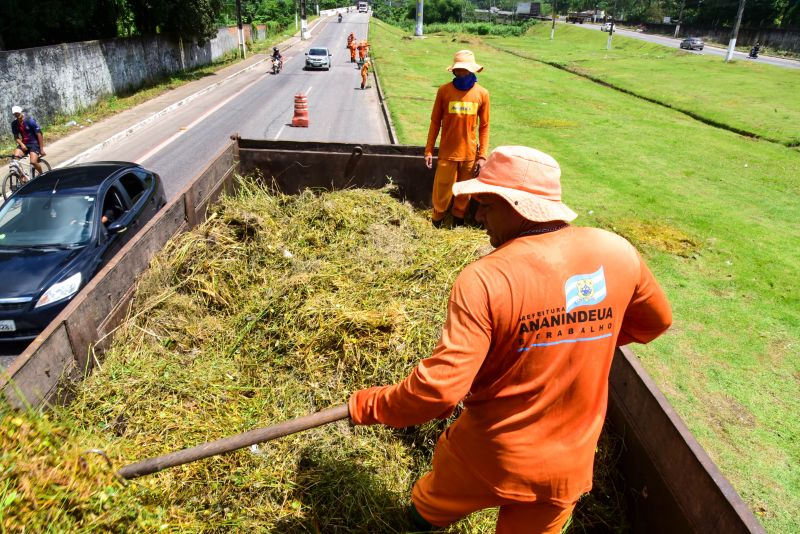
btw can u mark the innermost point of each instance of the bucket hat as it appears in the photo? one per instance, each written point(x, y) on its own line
point(16, 109)
point(465, 59)
point(529, 180)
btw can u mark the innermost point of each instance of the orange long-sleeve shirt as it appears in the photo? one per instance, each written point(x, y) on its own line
point(457, 113)
point(528, 342)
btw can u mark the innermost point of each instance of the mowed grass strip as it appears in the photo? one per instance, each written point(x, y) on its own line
point(715, 214)
point(745, 95)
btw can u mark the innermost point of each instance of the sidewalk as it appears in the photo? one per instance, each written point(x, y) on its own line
point(75, 147)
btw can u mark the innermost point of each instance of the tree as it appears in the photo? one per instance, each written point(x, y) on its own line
point(188, 19)
point(25, 24)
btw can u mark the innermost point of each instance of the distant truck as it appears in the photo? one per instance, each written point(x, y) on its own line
point(578, 18)
point(363, 7)
point(528, 9)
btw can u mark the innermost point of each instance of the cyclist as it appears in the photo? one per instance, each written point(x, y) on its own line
point(28, 136)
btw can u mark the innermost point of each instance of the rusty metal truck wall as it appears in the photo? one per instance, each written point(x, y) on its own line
point(673, 485)
point(295, 166)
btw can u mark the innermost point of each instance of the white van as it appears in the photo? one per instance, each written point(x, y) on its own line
point(363, 7)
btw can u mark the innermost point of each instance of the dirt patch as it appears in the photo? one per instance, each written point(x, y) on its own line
point(724, 410)
point(655, 234)
point(552, 123)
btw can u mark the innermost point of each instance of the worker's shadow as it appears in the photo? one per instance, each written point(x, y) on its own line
point(337, 494)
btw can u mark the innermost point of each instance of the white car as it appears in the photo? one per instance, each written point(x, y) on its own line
point(318, 58)
point(606, 27)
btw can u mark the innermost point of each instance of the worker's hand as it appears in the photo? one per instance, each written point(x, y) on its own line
point(429, 161)
point(478, 165)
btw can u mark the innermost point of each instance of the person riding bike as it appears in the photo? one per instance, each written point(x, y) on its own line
point(276, 56)
point(28, 136)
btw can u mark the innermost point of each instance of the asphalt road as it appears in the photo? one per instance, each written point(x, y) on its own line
point(708, 50)
point(260, 105)
point(256, 104)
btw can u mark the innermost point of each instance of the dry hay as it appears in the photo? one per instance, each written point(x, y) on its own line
point(277, 306)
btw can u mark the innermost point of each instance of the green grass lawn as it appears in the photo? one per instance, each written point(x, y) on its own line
point(749, 96)
point(714, 213)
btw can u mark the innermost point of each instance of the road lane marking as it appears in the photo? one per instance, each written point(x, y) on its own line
point(185, 129)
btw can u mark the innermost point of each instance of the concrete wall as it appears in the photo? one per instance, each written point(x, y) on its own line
point(65, 78)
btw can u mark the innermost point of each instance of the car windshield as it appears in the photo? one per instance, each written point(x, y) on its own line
point(318, 52)
point(46, 220)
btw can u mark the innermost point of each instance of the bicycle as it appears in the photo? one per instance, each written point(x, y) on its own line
point(20, 172)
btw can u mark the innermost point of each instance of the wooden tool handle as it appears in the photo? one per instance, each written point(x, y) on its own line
point(220, 446)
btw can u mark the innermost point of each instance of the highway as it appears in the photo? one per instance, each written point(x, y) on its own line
point(260, 105)
point(709, 49)
point(255, 104)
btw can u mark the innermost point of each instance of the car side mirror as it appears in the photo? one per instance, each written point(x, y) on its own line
point(117, 227)
point(306, 53)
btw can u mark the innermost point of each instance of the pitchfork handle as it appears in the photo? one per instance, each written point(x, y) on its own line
point(220, 446)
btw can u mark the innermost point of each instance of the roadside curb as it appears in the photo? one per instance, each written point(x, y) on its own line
point(384, 108)
point(172, 107)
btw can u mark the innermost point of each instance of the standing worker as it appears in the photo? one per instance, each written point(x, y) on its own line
point(460, 106)
point(362, 50)
point(527, 344)
point(350, 39)
point(28, 136)
point(352, 46)
point(364, 72)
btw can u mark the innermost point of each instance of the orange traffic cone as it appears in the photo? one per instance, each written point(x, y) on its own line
point(300, 111)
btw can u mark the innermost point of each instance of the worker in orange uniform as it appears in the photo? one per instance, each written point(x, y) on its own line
point(352, 47)
point(460, 107)
point(366, 47)
point(362, 50)
point(364, 71)
point(527, 344)
point(350, 39)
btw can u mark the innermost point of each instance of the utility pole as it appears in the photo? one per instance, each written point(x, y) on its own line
point(680, 19)
point(241, 29)
point(553, 27)
point(303, 21)
point(613, 25)
point(418, 29)
point(735, 32)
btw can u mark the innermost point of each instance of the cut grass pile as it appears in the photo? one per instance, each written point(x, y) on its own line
point(275, 307)
point(715, 213)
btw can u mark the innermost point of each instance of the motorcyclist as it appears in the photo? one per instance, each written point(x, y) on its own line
point(276, 56)
point(340, 17)
point(755, 50)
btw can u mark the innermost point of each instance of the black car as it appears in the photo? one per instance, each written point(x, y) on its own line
point(692, 43)
point(58, 230)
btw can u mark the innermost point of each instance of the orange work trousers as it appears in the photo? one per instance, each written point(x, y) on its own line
point(450, 492)
point(352, 54)
point(447, 173)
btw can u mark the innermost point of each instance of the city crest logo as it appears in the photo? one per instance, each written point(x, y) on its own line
point(585, 289)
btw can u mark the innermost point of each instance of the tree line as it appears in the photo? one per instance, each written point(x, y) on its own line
point(26, 24)
point(703, 13)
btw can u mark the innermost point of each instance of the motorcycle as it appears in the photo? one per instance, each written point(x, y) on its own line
point(340, 17)
point(277, 65)
point(754, 52)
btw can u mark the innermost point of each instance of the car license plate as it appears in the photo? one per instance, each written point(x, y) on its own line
point(7, 325)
